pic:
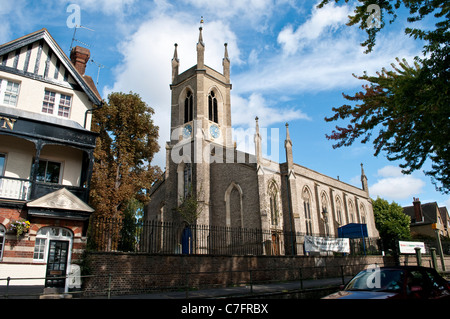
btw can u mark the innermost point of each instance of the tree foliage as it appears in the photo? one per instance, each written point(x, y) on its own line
point(391, 222)
point(125, 148)
point(190, 208)
point(408, 107)
point(131, 225)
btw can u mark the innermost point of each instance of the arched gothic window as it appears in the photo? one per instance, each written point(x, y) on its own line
point(362, 212)
point(187, 179)
point(234, 214)
point(338, 212)
point(188, 107)
point(325, 216)
point(212, 107)
point(351, 212)
point(307, 208)
point(273, 197)
point(184, 177)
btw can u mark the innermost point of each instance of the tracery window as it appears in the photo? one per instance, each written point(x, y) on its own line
point(212, 107)
point(338, 211)
point(188, 107)
point(325, 214)
point(307, 209)
point(362, 212)
point(273, 197)
point(351, 212)
point(187, 179)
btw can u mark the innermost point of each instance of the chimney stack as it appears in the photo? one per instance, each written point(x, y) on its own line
point(417, 209)
point(79, 57)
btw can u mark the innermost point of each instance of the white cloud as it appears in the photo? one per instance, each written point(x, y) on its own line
point(257, 106)
point(322, 54)
point(330, 17)
point(390, 171)
point(106, 6)
point(393, 185)
point(447, 204)
point(255, 13)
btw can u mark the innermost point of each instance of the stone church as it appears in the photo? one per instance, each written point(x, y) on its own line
point(237, 189)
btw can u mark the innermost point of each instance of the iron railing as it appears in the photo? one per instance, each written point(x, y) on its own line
point(113, 234)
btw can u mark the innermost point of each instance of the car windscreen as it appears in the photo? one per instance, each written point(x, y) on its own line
point(377, 279)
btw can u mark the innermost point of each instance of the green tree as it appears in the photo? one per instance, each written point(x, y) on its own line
point(190, 207)
point(407, 107)
point(125, 148)
point(392, 224)
point(131, 225)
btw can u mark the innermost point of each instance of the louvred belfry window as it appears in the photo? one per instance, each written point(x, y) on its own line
point(188, 107)
point(212, 107)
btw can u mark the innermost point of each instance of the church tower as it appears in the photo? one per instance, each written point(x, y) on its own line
point(200, 125)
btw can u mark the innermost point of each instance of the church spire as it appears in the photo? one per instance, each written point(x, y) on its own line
point(200, 48)
point(175, 63)
point(365, 185)
point(226, 64)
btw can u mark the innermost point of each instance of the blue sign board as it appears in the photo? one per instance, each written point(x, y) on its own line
point(353, 231)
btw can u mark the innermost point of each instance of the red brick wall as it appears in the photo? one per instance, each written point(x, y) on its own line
point(135, 272)
point(12, 248)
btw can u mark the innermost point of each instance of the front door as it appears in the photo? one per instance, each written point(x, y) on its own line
point(186, 241)
point(57, 264)
point(275, 244)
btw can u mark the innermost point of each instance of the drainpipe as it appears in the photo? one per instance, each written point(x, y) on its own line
point(92, 110)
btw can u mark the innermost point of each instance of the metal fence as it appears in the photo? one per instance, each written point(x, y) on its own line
point(109, 234)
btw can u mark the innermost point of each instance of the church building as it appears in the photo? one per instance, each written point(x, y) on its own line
point(237, 189)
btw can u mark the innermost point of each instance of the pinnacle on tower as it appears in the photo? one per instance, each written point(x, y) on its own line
point(200, 48)
point(258, 149)
point(365, 185)
point(288, 147)
point(175, 63)
point(226, 64)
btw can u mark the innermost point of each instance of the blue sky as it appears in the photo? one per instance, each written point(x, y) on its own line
point(289, 63)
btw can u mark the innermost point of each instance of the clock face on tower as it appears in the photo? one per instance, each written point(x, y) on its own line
point(214, 131)
point(187, 131)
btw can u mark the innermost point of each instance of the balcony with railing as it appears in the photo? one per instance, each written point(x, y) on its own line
point(15, 188)
point(18, 189)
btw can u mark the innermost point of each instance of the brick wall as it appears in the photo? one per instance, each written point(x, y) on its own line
point(137, 272)
point(20, 249)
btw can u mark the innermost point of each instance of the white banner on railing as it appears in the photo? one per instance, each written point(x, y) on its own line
point(318, 244)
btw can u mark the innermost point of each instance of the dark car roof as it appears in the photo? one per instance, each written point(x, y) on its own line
point(407, 267)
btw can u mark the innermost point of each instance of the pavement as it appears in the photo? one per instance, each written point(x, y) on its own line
point(254, 291)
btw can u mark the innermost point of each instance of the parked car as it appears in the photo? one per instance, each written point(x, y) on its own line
point(403, 282)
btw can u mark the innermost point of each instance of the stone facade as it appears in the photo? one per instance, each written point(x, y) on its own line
point(237, 189)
